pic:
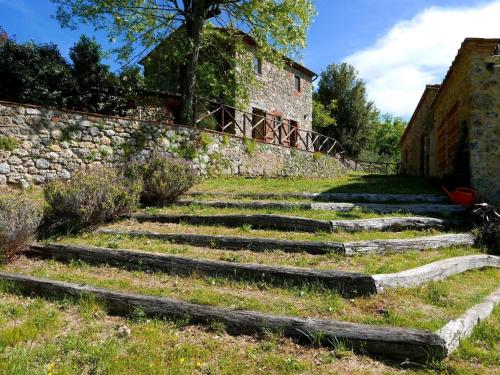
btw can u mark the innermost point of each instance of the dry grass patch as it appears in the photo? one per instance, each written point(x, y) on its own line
point(247, 231)
point(369, 263)
point(429, 306)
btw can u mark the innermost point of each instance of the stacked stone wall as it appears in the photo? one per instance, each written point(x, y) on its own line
point(41, 144)
point(484, 131)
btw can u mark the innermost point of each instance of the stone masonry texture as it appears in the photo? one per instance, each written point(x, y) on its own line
point(51, 144)
point(470, 94)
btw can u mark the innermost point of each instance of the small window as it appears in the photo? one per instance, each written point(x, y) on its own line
point(257, 65)
point(296, 83)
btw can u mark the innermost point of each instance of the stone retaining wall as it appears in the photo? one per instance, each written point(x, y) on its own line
point(40, 144)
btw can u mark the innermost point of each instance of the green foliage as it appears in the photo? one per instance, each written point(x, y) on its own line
point(205, 140)
point(199, 54)
point(7, 143)
point(250, 146)
point(226, 139)
point(322, 115)
point(384, 138)
point(353, 113)
point(33, 73)
point(20, 216)
point(163, 179)
point(317, 156)
point(91, 198)
point(187, 151)
point(38, 74)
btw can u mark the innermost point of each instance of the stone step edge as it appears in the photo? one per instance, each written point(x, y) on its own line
point(332, 197)
point(341, 207)
point(295, 223)
point(349, 284)
point(390, 342)
point(312, 247)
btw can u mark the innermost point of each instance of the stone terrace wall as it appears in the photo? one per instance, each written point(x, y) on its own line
point(485, 127)
point(52, 144)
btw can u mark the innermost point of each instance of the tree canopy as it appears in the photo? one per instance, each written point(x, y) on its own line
point(278, 27)
point(352, 111)
point(384, 137)
point(38, 74)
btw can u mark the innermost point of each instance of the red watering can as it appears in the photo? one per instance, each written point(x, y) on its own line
point(462, 195)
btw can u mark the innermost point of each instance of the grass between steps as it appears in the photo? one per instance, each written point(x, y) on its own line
point(369, 263)
point(351, 183)
point(195, 209)
point(427, 307)
point(247, 231)
point(79, 338)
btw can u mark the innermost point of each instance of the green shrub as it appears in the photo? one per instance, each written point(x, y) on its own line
point(7, 143)
point(205, 140)
point(187, 151)
point(87, 200)
point(209, 123)
point(163, 178)
point(317, 155)
point(19, 220)
point(250, 146)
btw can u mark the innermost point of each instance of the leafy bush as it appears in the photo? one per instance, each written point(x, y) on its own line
point(39, 74)
point(163, 178)
point(19, 220)
point(7, 143)
point(87, 200)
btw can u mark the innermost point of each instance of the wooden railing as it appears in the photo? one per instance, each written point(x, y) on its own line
point(266, 128)
point(372, 167)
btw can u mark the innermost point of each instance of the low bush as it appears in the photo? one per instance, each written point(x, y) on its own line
point(20, 216)
point(87, 200)
point(163, 178)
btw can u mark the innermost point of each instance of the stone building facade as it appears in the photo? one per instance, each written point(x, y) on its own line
point(40, 144)
point(464, 130)
point(282, 97)
point(419, 142)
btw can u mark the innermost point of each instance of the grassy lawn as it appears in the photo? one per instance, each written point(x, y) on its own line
point(79, 338)
point(352, 183)
point(429, 306)
point(39, 336)
point(247, 231)
point(369, 263)
point(195, 209)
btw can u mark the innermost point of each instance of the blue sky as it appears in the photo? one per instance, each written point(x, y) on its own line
point(398, 45)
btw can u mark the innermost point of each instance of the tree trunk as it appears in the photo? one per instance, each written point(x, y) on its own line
point(194, 28)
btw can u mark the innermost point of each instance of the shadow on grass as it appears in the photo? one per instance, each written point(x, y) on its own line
point(387, 184)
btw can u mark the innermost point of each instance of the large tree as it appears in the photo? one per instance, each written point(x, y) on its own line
point(343, 93)
point(278, 26)
point(384, 137)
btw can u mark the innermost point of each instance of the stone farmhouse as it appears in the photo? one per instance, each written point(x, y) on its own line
point(454, 133)
point(278, 109)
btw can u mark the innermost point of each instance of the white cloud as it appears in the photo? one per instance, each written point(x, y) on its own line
point(419, 51)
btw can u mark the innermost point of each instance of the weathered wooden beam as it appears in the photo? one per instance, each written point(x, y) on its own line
point(293, 223)
point(311, 247)
point(341, 207)
point(462, 327)
point(418, 243)
point(288, 223)
point(435, 271)
point(349, 284)
point(390, 224)
point(333, 197)
point(389, 208)
point(235, 243)
point(390, 342)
